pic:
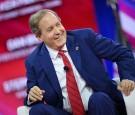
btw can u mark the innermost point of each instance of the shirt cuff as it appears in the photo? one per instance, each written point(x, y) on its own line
point(29, 101)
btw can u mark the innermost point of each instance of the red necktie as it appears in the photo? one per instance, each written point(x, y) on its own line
point(72, 88)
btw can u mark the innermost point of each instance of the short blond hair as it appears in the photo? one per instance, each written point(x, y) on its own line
point(35, 18)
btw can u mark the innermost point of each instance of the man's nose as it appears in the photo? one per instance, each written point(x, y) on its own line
point(57, 30)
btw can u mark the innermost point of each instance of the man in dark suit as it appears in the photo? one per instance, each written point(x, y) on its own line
point(49, 72)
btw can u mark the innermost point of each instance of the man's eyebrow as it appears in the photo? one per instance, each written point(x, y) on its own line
point(58, 22)
point(50, 27)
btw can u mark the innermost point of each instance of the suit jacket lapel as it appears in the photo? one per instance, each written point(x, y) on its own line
point(73, 50)
point(48, 67)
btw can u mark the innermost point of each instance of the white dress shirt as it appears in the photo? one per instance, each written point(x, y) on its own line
point(85, 91)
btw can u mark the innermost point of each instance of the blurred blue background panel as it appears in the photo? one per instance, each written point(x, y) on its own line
point(106, 25)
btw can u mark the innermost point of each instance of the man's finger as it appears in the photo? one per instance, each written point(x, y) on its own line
point(43, 91)
point(37, 89)
point(119, 87)
point(34, 91)
point(34, 95)
point(32, 98)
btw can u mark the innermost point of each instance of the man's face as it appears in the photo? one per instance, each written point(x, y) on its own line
point(53, 34)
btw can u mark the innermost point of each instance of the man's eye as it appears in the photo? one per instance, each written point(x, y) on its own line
point(58, 24)
point(49, 29)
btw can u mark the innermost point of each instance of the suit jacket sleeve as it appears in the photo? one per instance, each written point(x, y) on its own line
point(111, 50)
point(31, 81)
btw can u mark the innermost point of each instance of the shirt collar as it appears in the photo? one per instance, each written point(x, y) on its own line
point(54, 53)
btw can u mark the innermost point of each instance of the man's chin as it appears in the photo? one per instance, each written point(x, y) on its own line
point(61, 46)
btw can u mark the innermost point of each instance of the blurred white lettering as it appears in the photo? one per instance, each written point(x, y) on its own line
point(14, 85)
point(9, 5)
point(21, 42)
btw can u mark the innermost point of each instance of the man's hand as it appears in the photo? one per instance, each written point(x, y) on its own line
point(36, 94)
point(126, 86)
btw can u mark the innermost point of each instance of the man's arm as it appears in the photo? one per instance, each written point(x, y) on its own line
point(111, 50)
point(34, 93)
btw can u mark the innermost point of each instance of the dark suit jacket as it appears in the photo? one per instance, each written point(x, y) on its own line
point(88, 61)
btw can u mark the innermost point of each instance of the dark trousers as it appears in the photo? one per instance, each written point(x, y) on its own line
point(99, 104)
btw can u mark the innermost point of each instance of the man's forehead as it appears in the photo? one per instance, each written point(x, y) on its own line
point(50, 14)
point(49, 19)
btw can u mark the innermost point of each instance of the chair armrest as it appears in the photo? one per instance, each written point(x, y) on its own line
point(130, 103)
point(23, 110)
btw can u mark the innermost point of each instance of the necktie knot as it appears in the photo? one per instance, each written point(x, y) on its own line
point(61, 52)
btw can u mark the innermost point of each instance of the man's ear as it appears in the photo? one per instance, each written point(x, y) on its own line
point(39, 38)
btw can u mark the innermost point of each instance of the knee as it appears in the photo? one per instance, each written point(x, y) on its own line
point(99, 98)
point(37, 109)
point(101, 104)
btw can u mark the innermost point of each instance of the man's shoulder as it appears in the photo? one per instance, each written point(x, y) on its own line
point(80, 31)
point(35, 53)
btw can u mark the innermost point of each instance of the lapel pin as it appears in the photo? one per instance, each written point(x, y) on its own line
point(77, 48)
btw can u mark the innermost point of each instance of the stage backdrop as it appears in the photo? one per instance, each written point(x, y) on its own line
point(17, 41)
